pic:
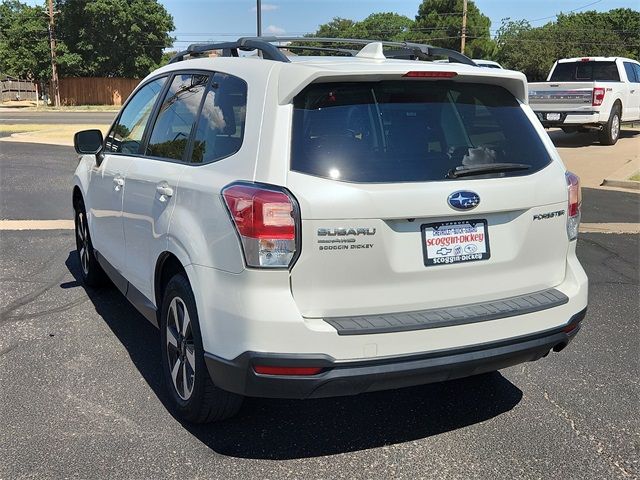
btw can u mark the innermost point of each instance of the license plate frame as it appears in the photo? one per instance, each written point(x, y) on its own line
point(449, 236)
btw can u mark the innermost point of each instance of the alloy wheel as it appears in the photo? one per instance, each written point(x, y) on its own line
point(615, 127)
point(180, 348)
point(83, 242)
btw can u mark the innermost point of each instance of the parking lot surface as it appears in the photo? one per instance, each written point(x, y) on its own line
point(81, 394)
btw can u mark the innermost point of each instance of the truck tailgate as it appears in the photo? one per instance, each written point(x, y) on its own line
point(562, 96)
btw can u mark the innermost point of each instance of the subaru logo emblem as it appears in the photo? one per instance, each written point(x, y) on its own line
point(463, 200)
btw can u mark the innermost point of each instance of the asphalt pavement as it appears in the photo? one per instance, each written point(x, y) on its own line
point(35, 181)
point(81, 394)
point(13, 117)
point(604, 206)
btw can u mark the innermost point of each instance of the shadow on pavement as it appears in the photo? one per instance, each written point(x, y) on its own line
point(575, 140)
point(288, 429)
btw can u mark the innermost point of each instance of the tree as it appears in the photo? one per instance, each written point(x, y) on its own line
point(526, 49)
point(24, 41)
point(383, 26)
point(599, 33)
point(112, 38)
point(534, 50)
point(378, 26)
point(626, 22)
point(439, 22)
point(336, 28)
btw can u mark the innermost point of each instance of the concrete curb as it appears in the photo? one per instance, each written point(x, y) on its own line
point(630, 184)
point(632, 228)
point(621, 177)
point(22, 138)
point(35, 110)
point(36, 225)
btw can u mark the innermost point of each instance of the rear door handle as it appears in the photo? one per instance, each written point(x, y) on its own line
point(165, 191)
point(118, 182)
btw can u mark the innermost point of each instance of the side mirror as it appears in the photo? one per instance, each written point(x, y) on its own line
point(88, 142)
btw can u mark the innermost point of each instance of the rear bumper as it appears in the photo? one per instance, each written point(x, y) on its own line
point(570, 118)
point(340, 378)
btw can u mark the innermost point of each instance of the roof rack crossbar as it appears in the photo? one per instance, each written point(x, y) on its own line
point(272, 52)
point(268, 50)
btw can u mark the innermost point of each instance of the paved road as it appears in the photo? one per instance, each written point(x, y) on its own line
point(604, 206)
point(35, 180)
point(81, 395)
point(67, 118)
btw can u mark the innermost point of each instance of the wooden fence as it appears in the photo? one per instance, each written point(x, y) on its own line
point(96, 91)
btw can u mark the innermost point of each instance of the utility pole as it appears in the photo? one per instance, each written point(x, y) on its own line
point(259, 17)
point(54, 63)
point(464, 26)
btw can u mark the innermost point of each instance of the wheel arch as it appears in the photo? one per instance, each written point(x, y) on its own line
point(76, 196)
point(617, 101)
point(167, 265)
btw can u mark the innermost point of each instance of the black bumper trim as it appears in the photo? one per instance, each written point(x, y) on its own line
point(448, 316)
point(353, 377)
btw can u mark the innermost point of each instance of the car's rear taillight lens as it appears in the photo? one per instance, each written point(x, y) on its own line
point(265, 218)
point(575, 203)
point(598, 96)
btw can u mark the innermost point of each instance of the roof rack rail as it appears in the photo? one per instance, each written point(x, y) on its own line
point(347, 51)
point(265, 45)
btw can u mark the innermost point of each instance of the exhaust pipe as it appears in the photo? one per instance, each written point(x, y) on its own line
point(560, 346)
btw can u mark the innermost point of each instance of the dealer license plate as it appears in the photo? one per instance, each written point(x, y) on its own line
point(455, 242)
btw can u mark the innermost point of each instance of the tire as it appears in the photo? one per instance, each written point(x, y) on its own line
point(90, 269)
point(569, 129)
point(192, 393)
point(611, 130)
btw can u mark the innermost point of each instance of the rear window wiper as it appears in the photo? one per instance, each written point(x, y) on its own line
point(468, 171)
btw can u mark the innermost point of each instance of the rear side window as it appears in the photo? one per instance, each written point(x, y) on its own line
point(221, 124)
point(126, 134)
point(585, 72)
point(632, 72)
point(409, 131)
point(179, 110)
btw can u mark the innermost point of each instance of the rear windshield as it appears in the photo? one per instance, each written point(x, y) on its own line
point(409, 131)
point(585, 72)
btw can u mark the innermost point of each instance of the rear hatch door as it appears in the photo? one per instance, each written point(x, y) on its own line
point(391, 222)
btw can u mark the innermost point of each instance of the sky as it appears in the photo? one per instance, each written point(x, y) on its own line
point(202, 20)
point(205, 20)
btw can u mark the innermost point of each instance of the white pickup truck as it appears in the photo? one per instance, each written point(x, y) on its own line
point(592, 93)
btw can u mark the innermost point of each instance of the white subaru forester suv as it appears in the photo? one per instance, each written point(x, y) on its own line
point(314, 226)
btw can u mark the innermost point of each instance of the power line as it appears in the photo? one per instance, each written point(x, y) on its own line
point(570, 11)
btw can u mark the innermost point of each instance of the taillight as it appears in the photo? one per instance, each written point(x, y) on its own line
point(598, 96)
point(575, 202)
point(265, 218)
